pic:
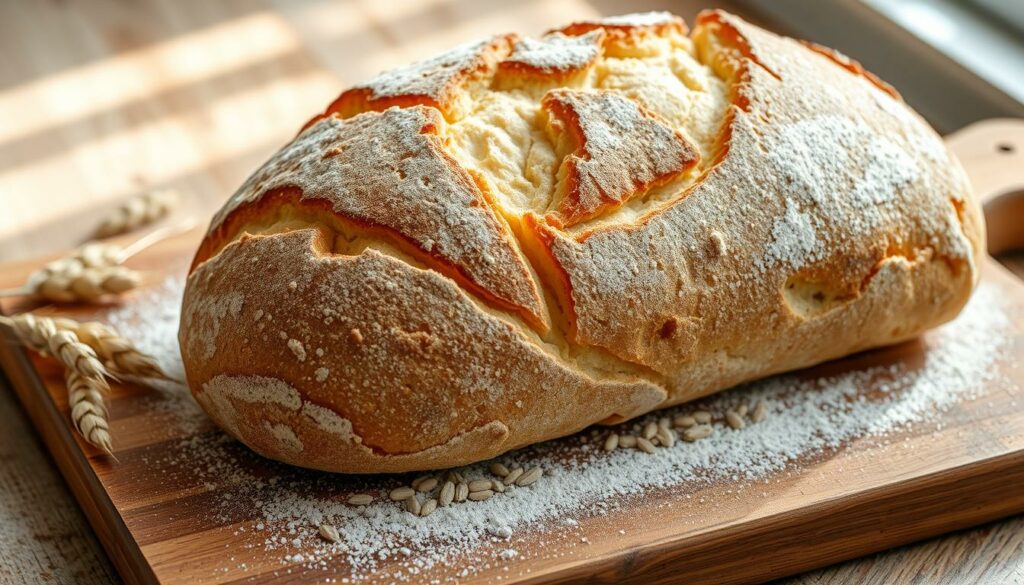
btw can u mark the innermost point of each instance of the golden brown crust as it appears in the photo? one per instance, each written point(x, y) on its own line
point(821, 218)
point(389, 172)
point(401, 359)
point(436, 82)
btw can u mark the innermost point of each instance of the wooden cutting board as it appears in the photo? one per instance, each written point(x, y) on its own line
point(158, 522)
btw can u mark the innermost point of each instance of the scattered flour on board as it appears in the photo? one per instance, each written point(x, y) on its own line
point(808, 417)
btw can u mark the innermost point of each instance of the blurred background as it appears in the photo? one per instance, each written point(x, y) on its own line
point(103, 99)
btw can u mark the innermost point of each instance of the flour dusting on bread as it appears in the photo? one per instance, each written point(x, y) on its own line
point(556, 52)
point(496, 250)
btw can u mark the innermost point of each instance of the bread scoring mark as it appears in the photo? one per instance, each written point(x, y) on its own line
point(721, 46)
point(285, 211)
point(416, 322)
point(438, 82)
point(625, 35)
point(388, 173)
point(613, 151)
point(827, 177)
point(554, 57)
point(537, 239)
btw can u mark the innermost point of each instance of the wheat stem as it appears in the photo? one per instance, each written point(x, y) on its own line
point(21, 291)
point(155, 237)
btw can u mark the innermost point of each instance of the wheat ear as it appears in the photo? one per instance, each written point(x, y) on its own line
point(138, 211)
point(84, 375)
point(89, 414)
point(119, 355)
point(87, 284)
point(43, 335)
point(93, 270)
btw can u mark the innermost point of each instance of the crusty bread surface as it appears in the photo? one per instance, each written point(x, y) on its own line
point(523, 237)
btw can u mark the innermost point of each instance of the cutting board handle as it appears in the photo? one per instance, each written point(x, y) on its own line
point(992, 152)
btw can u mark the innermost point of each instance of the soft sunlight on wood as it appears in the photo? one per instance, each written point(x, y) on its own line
point(116, 80)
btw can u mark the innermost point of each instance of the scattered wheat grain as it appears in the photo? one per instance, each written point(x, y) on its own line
point(698, 432)
point(401, 493)
point(480, 495)
point(427, 484)
point(412, 505)
point(684, 421)
point(645, 445)
point(667, 437)
point(360, 500)
point(479, 485)
point(447, 494)
point(734, 420)
point(513, 476)
point(760, 411)
point(329, 533)
point(611, 443)
point(529, 477)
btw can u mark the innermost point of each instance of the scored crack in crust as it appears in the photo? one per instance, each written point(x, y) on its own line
point(601, 169)
point(388, 173)
point(520, 238)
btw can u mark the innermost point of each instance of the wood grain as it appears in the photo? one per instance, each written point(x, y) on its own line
point(43, 535)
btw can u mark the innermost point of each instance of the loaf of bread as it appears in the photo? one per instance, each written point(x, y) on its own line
point(522, 237)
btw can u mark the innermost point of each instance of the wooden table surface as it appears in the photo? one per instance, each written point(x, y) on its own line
point(102, 99)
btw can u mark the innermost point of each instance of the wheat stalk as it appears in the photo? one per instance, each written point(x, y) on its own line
point(138, 211)
point(89, 414)
point(119, 354)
